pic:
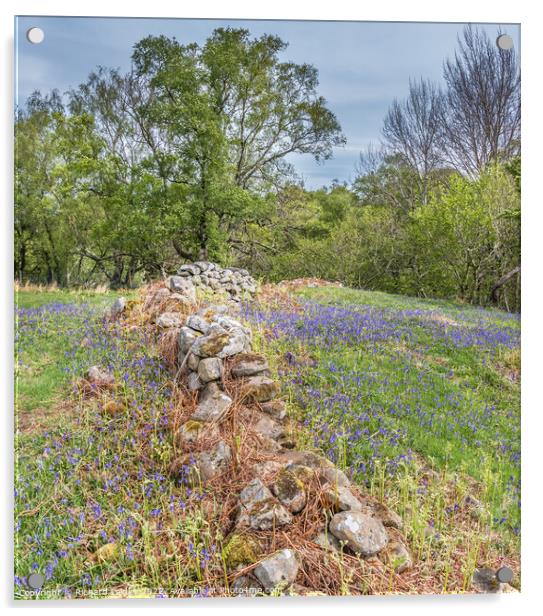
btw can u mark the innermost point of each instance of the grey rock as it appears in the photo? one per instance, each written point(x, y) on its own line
point(193, 381)
point(289, 489)
point(266, 426)
point(197, 322)
point(237, 343)
point(210, 369)
point(187, 337)
point(118, 306)
point(214, 462)
point(259, 509)
point(259, 389)
point(276, 408)
point(340, 498)
point(249, 364)
point(161, 295)
point(168, 319)
point(362, 534)
point(191, 269)
point(213, 404)
point(397, 556)
point(268, 468)
point(192, 431)
point(98, 375)
point(327, 542)
point(485, 581)
point(246, 586)
point(183, 300)
point(279, 569)
point(334, 476)
point(212, 344)
point(182, 286)
point(193, 361)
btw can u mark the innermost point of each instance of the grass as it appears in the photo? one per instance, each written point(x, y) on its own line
point(417, 400)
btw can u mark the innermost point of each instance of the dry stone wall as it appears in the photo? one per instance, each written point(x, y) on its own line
point(234, 282)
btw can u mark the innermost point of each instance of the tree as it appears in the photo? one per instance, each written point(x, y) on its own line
point(481, 121)
point(412, 129)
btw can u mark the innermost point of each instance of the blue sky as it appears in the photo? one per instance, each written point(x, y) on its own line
point(362, 66)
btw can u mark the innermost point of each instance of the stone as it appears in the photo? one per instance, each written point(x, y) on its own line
point(485, 581)
point(168, 319)
point(362, 534)
point(210, 369)
point(202, 265)
point(187, 337)
point(193, 362)
point(214, 462)
point(241, 549)
point(334, 476)
point(259, 389)
point(118, 306)
point(279, 569)
point(197, 322)
point(97, 375)
point(397, 556)
point(246, 586)
point(190, 269)
point(183, 286)
point(267, 469)
point(276, 408)
point(192, 431)
point(327, 542)
point(266, 426)
point(340, 498)
point(193, 381)
point(213, 404)
point(180, 299)
point(290, 490)
point(238, 342)
point(249, 364)
point(210, 345)
point(259, 510)
point(161, 295)
point(388, 517)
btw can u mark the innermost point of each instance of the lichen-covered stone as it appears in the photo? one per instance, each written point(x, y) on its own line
point(168, 319)
point(241, 549)
point(279, 569)
point(193, 382)
point(362, 534)
point(186, 339)
point(193, 362)
point(259, 389)
point(334, 476)
point(197, 322)
point(290, 490)
point(214, 462)
point(183, 286)
point(211, 344)
point(238, 342)
point(259, 509)
point(213, 404)
point(249, 364)
point(210, 369)
point(328, 542)
point(192, 431)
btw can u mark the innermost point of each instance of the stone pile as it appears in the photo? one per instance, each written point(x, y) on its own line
point(236, 283)
point(214, 346)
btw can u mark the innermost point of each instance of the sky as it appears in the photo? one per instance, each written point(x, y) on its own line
point(363, 66)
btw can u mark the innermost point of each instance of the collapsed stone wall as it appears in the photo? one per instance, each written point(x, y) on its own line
point(235, 282)
point(232, 383)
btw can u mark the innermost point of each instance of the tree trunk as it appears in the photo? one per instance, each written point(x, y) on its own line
point(504, 279)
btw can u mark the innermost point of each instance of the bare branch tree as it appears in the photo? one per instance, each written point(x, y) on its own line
point(412, 128)
point(481, 122)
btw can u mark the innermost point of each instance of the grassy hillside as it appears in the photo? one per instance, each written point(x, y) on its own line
point(418, 400)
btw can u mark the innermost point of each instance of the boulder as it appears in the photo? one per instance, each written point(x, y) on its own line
point(210, 369)
point(183, 286)
point(249, 364)
point(259, 510)
point(279, 569)
point(238, 342)
point(211, 344)
point(213, 404)
point(259, 389)
point(362, 534)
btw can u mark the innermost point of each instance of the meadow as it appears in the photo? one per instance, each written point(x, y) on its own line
point(417, 400)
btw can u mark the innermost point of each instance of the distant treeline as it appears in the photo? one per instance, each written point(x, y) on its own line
point(184, 158)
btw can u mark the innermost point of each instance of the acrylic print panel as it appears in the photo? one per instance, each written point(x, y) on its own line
point(268, 302)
